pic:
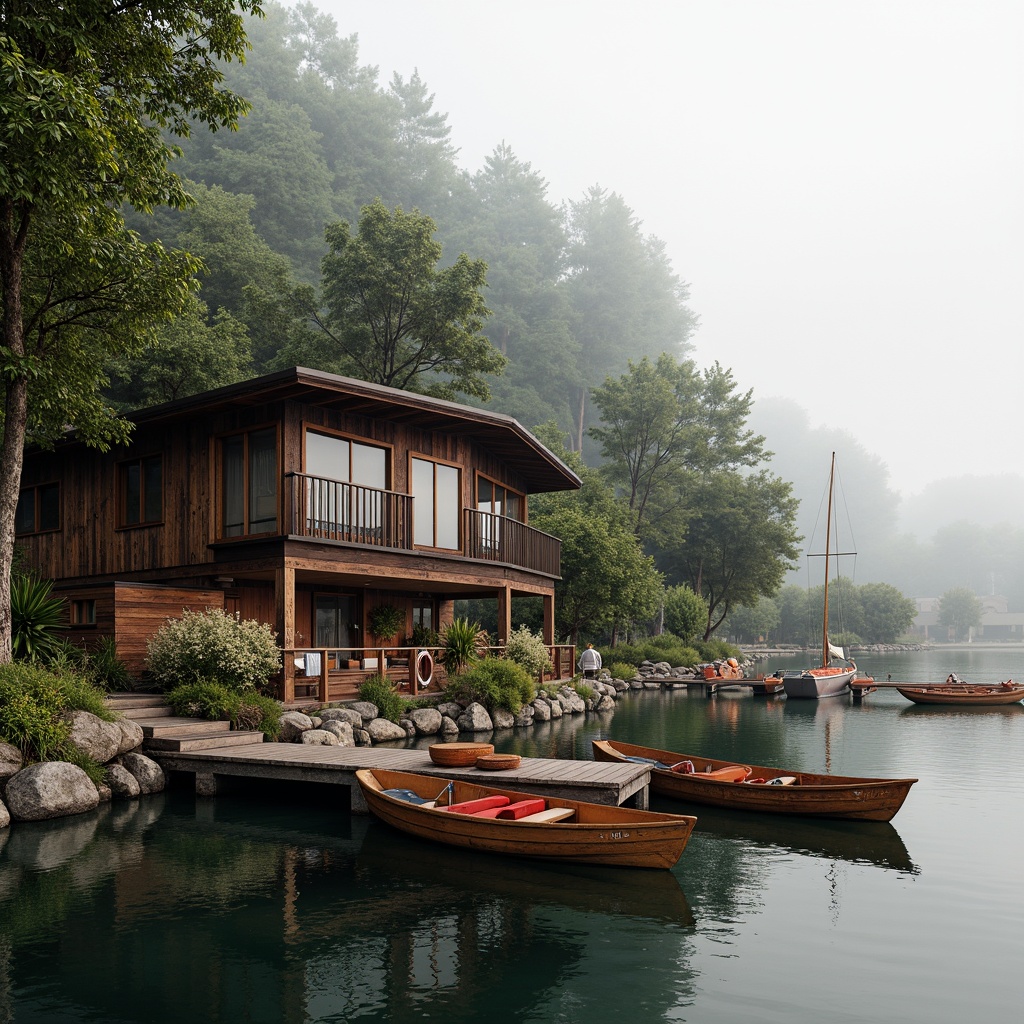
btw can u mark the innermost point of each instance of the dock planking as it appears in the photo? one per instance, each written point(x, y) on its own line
point(593, 781)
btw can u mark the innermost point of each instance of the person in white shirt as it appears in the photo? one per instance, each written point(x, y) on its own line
point(590, 662)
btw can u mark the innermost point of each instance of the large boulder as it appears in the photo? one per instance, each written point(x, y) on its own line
point(426, 720)
point(93, 736)
point(451, 709)
point(343, 730)
point(121, 782)
point(383, 731)
point(293, 725)
point(541, 710)
point(475, 719)
point(367, 711)
point(11, 761)
point(147, 772)
point(51, 789)
point(503, 719)
point(131, 735)
point(449, 727)
point(353, 718)
point(5, 815)
point(319, 738)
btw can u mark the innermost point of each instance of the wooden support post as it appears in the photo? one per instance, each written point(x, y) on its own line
point(504, 614)
point(284, 613)
point(549, 619)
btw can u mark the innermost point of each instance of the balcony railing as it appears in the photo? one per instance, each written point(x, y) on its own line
point(337, 510)
point(497, 538)
point(340, 511)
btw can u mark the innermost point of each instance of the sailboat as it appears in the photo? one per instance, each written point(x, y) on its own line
point(827, 680)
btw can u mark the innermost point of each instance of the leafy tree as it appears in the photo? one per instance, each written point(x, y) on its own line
point(188, 355)
point(887, 614)
point(88, 89)
point(960, 610)
point(740, 541)
point(754, 623)
point(794, 620)
point(394, 318)
point(628, 300)
point(665, 427)
point(686, 613)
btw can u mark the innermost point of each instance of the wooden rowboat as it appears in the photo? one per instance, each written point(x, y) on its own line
point(965, 693)
point(521, 825)
point(771, 790)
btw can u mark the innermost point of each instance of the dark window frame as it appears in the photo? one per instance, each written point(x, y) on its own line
point(40, 522)
point(124, 513)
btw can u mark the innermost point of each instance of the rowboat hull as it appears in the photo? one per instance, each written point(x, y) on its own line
point(973, 696)
point(817, 683)
point(820, 796)
point(596, 834)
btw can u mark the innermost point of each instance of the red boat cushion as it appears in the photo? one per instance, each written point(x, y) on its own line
point(474, 806)
point(521, 809)
point(734, 773)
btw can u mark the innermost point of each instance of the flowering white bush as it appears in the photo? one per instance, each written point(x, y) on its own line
point(214, 646)
point(529, 650)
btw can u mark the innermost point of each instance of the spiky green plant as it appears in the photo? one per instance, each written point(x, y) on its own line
point(463, 644)
point(36, 620)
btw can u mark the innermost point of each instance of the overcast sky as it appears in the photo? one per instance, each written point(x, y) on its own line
point(839, 182)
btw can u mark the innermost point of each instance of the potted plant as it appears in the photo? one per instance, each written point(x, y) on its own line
point(385, 621)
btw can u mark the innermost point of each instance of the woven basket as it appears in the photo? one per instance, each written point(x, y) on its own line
point(458, 755)
point(498, 762)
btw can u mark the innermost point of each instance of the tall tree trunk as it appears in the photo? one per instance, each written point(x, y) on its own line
point(13, 234)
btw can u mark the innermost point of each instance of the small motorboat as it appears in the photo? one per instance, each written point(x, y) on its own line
point(704, 780)
point(523, 825)
point(972, 694)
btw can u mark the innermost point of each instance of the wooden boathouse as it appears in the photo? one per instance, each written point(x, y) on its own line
point(305, 500)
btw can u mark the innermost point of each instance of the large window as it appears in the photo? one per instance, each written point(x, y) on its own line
point(249, 483)
point(345, 478)
point(38, 509)
point(498, 499)
point(436, 486)
point(335, 621)
point(141, 491)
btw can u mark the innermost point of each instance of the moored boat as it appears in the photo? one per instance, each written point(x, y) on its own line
point(521, 825)
point(704, 780)
point(971, 694)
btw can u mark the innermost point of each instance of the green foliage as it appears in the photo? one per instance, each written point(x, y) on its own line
point(665, 647)
point(385, 621)
point(715, 650)
point(423, 636)
point(36, 619)
point(495, 683)
point(463, 644)
point(528, 649)
point(33, 706)
point(686, 613)
point(211, 700)
point(394, 318)
point(754, 623)
point(960, 610)
point(621, 670)
point(379, 691)
point(241, 655)
point(105, 668)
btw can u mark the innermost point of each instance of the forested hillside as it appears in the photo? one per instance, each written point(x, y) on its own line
point(574, 289)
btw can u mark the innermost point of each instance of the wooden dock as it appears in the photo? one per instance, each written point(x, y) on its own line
point(596, 782)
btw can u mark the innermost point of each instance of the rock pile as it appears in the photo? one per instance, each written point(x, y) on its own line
point(53, 789)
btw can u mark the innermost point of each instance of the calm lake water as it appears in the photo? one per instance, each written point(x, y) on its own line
point(289, 910)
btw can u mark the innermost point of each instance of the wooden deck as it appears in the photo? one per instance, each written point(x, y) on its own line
point(611, 784)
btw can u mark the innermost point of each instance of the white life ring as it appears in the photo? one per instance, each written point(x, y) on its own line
point(424, 668)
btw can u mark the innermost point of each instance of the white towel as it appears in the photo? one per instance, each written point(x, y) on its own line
point(313, 664)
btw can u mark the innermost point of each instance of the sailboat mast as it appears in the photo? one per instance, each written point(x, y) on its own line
point(828, 539)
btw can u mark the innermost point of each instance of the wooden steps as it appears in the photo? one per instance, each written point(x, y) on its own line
point(163, 730)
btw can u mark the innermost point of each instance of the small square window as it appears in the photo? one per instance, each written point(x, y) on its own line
point(83, 612)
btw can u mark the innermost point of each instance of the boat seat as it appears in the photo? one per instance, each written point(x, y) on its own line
point(512, 812)
point(647, 760)
point(551, 814)
point(484, 803)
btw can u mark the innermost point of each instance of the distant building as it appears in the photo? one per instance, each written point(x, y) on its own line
point(996, 622)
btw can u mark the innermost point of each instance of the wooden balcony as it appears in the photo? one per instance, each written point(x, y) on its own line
point(335, 510)
point(495, 538)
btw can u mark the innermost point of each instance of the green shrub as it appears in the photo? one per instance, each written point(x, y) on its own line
point(33, 706)
point(714, 650)
point(385, 621)
point(36, 620)
point(622, 670)
point(667, 647)
point(463, 644)
point(242, 655)
point(528, 649)
point(215, 702)
point(424, 636)
point(389, 702)
point(495, 683)
point(105, 668)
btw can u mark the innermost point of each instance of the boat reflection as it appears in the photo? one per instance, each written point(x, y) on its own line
point(857, 842)
point(407, 861)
